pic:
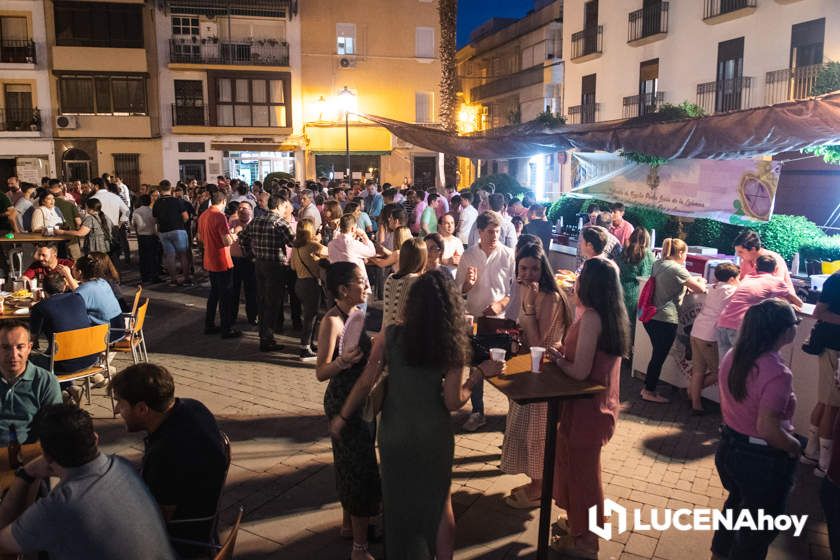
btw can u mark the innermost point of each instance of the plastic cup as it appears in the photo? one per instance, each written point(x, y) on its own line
point(33, 284)
point(537, 353)
point(497, 354)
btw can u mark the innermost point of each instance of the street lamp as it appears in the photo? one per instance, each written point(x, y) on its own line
point(347, 102)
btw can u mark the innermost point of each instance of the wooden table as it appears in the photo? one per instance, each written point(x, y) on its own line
point(28, 451)
point(20, 238)
point(9, 313)
point(550, 386)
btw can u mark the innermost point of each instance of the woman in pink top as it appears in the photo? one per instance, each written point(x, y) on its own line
point(758, 453)
point(592, 350)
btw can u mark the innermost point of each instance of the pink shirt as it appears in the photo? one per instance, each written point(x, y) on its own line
point(754, 289)
point(418, 212)
point(346, 248)
point(622, 232)
point(782, 272)
point(769, 387)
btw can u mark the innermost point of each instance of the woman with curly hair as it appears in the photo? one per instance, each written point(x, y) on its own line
point(416, 442)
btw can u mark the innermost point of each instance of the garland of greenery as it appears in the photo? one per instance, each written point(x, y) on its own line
point(826, 81)
point(550, 120)
point(666, 112)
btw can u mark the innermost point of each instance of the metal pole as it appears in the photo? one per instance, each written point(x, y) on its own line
point(347, 141)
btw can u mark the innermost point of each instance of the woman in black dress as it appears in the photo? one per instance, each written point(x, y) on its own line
point(356, 472)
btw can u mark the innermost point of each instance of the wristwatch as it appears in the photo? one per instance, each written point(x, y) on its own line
point(25, 476)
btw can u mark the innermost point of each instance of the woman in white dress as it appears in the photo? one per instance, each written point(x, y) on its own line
point(46, 216)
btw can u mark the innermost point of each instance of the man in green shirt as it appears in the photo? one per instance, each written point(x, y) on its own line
point(24, 387)
point(72, 219)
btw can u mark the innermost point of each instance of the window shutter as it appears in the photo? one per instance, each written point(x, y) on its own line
point(423, 106)
point(425, 42)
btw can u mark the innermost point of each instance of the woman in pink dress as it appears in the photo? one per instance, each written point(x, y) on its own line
point(592, 351)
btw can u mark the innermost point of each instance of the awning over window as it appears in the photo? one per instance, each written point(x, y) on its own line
point(783, 127)
point(253, 8)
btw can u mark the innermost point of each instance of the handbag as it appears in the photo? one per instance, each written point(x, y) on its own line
point(316, 277)
point(815, 343)
point(376, 396)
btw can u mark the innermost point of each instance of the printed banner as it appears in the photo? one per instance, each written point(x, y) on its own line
point(731, 191)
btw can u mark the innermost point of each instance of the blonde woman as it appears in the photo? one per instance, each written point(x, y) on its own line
point(672, 280)
point(401, 235)
point(413, 254)
point(306, 252)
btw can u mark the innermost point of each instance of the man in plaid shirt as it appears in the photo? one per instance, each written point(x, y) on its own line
point(266, 239)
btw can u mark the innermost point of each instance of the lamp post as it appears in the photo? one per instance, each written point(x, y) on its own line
point(346, 100)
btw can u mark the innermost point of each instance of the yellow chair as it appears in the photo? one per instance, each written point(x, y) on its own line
point(79, 343)
point(134, 341)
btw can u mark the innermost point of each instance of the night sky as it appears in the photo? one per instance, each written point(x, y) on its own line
point(472, 13)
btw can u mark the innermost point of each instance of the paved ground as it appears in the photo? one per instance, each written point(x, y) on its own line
point(271, 406)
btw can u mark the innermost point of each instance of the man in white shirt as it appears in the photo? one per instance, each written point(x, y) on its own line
point(308, 210)
point(115, 210)
point(125, 193)
point(467, 218)
point(485, 274)
point(351, 244)
point(507, 232)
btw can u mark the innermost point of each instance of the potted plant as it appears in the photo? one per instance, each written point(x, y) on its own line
point(35, 125)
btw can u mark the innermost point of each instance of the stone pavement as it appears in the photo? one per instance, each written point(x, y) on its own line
point(271, 407)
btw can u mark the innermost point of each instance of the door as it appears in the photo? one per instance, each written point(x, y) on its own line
point(189, 169)
point(651, 17)
point(590, 27)
point(806, 56)
point(189, 103)
point(424, 171)
point(730, 74)
point(587, 99)
point(648, 85)
point(76, 165)
point(17, 110)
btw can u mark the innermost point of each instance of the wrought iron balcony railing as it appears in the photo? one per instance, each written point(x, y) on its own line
point(788, 84)
point(725, 95)
point(22, 51)
point(587, 42)
point(257, 52)
point(642, 104)
point(648, 22)
point(580, 114)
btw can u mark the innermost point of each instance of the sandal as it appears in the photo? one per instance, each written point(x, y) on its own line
point(518, 499)
point(653, 397)
point(565, 545)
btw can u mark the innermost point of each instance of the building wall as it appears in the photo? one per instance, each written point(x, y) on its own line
point(385, 74)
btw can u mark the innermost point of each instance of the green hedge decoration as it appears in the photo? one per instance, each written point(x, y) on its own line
point(786, 234)
point(822, 249)
point(711, 233)
point(566, 206)
point(504, 184)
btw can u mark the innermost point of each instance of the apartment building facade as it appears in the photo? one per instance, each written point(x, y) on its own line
point(25, 107)
point(374, 56)
point(509, 73)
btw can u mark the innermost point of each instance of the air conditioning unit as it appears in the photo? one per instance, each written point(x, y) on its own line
point(346, 61)
point(68, 122)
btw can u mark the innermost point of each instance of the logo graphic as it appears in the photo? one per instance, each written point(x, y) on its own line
point(684, 519)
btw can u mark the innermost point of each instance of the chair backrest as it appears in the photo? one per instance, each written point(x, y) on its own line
point(68, 345)
point(226, 552)
point(140, 316)
point(137, 295)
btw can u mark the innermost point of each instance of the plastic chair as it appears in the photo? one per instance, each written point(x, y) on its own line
point(79, 343)
point(226, 551)
point(134, 341)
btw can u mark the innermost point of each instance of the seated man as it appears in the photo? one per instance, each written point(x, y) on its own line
point(185, 462)
point(46, 261)
point(25, 388)
point(99, 509)
point(61, 311)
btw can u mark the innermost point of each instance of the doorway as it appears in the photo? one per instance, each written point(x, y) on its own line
point(730, 75)
point(76, 165)
point(424, 171)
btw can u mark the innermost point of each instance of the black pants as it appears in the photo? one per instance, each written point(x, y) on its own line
point(830, 499)
point(245, 277)
point(149, 252)
point(756, 477)
point(289, 282)
point(309, 293)
point(221, 296)
point(662, 336)
point(271, 290)
point(376, 276)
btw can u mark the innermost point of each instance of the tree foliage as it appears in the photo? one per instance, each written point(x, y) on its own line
point(447, 14)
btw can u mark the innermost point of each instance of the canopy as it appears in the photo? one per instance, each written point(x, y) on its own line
point(783, 127)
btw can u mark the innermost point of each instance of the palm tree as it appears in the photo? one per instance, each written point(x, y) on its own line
point(448, 13)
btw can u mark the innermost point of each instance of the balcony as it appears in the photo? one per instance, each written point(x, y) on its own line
point(511, 82)
point(788, 84)
point(189, 115)
point(247, 52)
point(725, 95)
point(20, 120)
point(718, 11)
point(17, 51)
point(587, 44)
point(581, 114)
point(644, 104)
point(648, 24)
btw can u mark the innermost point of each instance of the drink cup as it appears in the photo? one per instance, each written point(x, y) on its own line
point(497, 354)
point(33, 284)
point(537, 353)
point(470, 320)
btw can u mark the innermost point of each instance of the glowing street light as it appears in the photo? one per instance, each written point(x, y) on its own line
point(347, 102)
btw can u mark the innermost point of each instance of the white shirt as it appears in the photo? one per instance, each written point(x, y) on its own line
point(112, 206)
point(468, 217)
point(43, 217)
point(143, 221)
point(451, 246)
point(704, 327)
point(125, 193)
point(507, 233)
point(311, 213)
point(496, 274)
point(346, 248)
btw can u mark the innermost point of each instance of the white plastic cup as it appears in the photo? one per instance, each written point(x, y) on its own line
point(497, 354)
point(33, 284)
point(537, 353)
point(470, 320)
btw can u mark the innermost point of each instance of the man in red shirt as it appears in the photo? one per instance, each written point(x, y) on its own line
point(45, 261)
point(214, 233)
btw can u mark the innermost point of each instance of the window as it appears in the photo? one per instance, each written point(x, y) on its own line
point(191, 146)
point(424, 107)
point(88, 24)
point(345, 38)
point(806, 43)
point(127, 168)
point(424, 41)
point(184, 25)
point(103, 94)
point(251, 101)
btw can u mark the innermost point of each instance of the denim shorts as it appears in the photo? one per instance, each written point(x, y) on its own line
point(174, 241)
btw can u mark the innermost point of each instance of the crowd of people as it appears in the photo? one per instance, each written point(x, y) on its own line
point(332, 254)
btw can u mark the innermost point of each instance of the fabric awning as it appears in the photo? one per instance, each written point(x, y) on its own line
point(783, 127)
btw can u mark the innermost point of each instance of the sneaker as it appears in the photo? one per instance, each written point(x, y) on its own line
point(307, 353)
point(99, 380)
point(809, 460)
point(474, 422)
point(74, 394)
point(232, 333)
point(818, 472)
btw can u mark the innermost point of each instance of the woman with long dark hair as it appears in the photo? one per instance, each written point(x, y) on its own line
point(544, 315)
point(592, 351)
point(416, 442)
point(95, 229)
point(356, 473)
point(636, 260)
point(758, 453)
